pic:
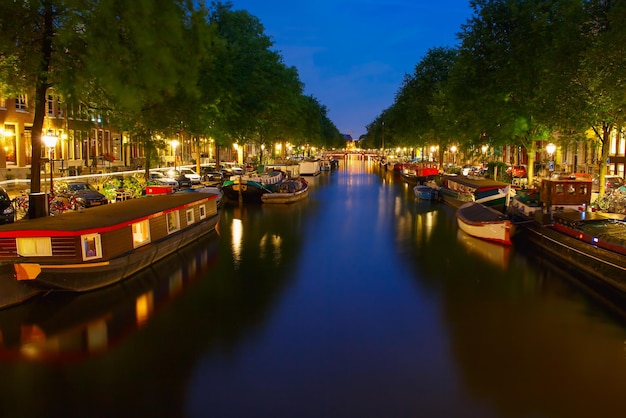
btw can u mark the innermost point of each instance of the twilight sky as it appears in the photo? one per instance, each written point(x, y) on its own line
point(353, 54)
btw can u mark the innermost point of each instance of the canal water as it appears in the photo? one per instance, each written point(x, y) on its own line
point(360, 301)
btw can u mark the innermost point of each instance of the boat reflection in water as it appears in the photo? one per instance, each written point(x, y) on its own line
point(494, 253)
point(71, 326)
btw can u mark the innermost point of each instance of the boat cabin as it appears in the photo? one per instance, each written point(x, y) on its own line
point(565, 194)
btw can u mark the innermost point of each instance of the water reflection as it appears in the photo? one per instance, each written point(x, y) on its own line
point(493, 253)
point(68, 326)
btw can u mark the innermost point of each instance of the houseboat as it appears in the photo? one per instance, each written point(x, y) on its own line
point(592, 243)
point(250, 187)
point(457, 190)
point(90, 249)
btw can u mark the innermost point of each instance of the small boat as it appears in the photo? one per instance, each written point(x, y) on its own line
point(425, 192)
point(90, 249)
point(250, 187)
point(287, 191)
point(483, 222)
point(457, 190)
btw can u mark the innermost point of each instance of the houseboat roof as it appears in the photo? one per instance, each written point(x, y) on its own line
point(475, 182)
point(106, 216)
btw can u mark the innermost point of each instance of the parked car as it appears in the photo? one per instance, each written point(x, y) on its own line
point(7, 210)
point(160, 179)
point(231, 169)
point(191, 175)
point(182, 180)
point(86, 194)
point(611, 182)
point(517, 171)
point(210, 173)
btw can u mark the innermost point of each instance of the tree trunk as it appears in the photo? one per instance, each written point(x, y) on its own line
point(40, 107)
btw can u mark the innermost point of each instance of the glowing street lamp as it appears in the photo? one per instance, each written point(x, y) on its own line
point(50, 140)
point(551, 148)
point(174, 144)
point(484, 149)
point(453, 150)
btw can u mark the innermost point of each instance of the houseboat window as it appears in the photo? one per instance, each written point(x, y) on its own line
point(141, 233)
point(202, 211)
point(34, 246)
point(583, 189)
point(571, 189)
point(190, 217)
point(91, 246)
point(173, 222)
point(558, 188)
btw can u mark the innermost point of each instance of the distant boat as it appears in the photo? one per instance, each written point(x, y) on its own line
point(310, 168)
point(485, 223)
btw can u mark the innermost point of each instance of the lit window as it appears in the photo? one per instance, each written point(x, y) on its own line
point(190, 217)
point(21, 103)
point(173, 222)
point(31, 247)
point(141, 233)
point(91, 246)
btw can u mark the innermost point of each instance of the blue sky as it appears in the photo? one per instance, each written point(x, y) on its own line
point(352, 55)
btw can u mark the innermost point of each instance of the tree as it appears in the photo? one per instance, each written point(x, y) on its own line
point(592, 92)
point(41, 47)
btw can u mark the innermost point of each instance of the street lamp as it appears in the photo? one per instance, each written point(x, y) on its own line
point(174, 144)
point(550, 148)
point(484, 150)
point(453, 150)
point(50, 140)
point(262, 149)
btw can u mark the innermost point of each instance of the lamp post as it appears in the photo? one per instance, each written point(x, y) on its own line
point(50, 140)
point(453, 150)
point(262, 149)
point(550, 148)
point(174, 144)
point(484, 150)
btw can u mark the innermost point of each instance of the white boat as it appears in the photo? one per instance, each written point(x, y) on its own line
point(484, 222)
point(310, 168)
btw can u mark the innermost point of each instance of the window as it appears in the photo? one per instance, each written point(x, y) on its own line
point(34, 246)
point(173, 222)
point(50, 106)
point(190, 217)
point(21, 103)
point(59, 108)
point(202, 211)
point(141, 233)
point(91, 246)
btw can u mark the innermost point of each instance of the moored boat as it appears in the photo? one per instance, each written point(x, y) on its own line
point(251, 187)
point(310, 167)
point(486, 223)
point(425, 192)
point(287, 191)
point(87, 250)
point(419, 172)
point(591, 243)
point(457, 190)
